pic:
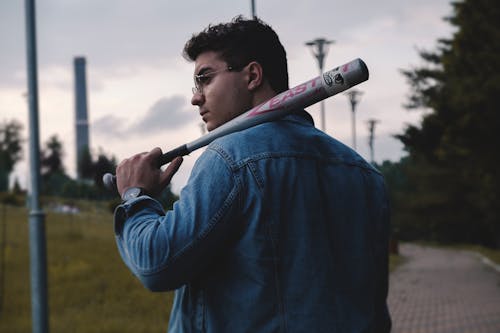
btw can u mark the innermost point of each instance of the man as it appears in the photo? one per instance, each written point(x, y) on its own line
point(280, 228)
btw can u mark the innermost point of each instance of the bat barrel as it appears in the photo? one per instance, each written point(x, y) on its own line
point(345, 77)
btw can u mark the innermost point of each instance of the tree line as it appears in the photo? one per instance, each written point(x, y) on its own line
point(447, 188)
point(54, 179)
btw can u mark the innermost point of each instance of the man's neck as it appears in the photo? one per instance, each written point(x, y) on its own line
point(263, 94)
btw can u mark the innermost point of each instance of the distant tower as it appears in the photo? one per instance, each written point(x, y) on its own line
point(81, 118)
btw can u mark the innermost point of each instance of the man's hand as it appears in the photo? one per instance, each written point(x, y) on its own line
point(142, 170)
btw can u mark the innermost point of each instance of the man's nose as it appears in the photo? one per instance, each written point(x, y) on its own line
point(197, 99)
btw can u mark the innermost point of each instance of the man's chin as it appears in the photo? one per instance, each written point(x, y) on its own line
point(211, 126)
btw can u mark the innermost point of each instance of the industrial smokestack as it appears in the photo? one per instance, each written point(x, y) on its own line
point(81, 118)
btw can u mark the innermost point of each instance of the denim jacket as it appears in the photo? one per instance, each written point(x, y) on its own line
point(280, 228)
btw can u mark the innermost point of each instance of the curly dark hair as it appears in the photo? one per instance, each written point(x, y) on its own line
point(241, 41)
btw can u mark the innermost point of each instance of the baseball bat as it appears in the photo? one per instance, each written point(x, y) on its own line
point(328, 84)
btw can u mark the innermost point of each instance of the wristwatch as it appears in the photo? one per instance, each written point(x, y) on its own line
point(131, 193)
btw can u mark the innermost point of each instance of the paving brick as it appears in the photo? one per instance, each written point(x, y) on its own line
point(443, 291)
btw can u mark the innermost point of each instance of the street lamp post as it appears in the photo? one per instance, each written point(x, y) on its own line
point(38, 251)
point(371, 138)
point(319, 47)
point(354, 97)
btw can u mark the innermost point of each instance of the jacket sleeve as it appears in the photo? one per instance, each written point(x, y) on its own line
point(167, 250)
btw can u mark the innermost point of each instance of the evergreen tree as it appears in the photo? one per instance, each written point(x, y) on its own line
point(53, 173)
point(85, 164)
point(453, 152)
point(52, 155)
point(10, 150)
point(102, 165)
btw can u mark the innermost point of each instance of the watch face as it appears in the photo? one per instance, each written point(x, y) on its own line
point(132, 192)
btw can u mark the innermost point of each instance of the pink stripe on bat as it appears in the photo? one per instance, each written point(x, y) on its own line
point(293, 94)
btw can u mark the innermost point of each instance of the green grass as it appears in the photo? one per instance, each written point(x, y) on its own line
point(492, 254)
point(89, 287)
point(395, 260)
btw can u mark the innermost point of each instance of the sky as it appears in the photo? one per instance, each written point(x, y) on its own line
point(139, 85)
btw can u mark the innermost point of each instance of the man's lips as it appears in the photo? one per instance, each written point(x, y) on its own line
point(203, 112)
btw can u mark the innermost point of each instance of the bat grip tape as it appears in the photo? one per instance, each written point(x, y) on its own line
point(170, 155)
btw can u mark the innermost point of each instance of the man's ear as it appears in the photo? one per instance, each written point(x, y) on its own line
point(255, 75)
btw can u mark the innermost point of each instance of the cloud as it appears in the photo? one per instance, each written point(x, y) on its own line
point(109, 126)
point(111, 33)
point(167, 113)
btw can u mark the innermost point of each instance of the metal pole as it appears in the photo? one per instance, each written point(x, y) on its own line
point(353, 128)
point(2, 256)
point(371, 138)
point(354, 96)
point(322, 103)
point(38, 257)
point(253, 9)
point(319, 47)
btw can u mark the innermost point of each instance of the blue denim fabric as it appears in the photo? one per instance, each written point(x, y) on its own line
point(280, 228)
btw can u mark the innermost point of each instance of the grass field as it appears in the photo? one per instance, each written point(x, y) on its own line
point(90, 289)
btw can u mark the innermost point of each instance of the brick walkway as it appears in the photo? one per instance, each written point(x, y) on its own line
point(444, 291)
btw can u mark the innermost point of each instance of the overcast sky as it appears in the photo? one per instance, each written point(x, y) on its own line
point(139, 86)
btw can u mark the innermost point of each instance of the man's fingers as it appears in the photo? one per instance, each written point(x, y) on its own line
point(154, 154)
point(166, 176)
